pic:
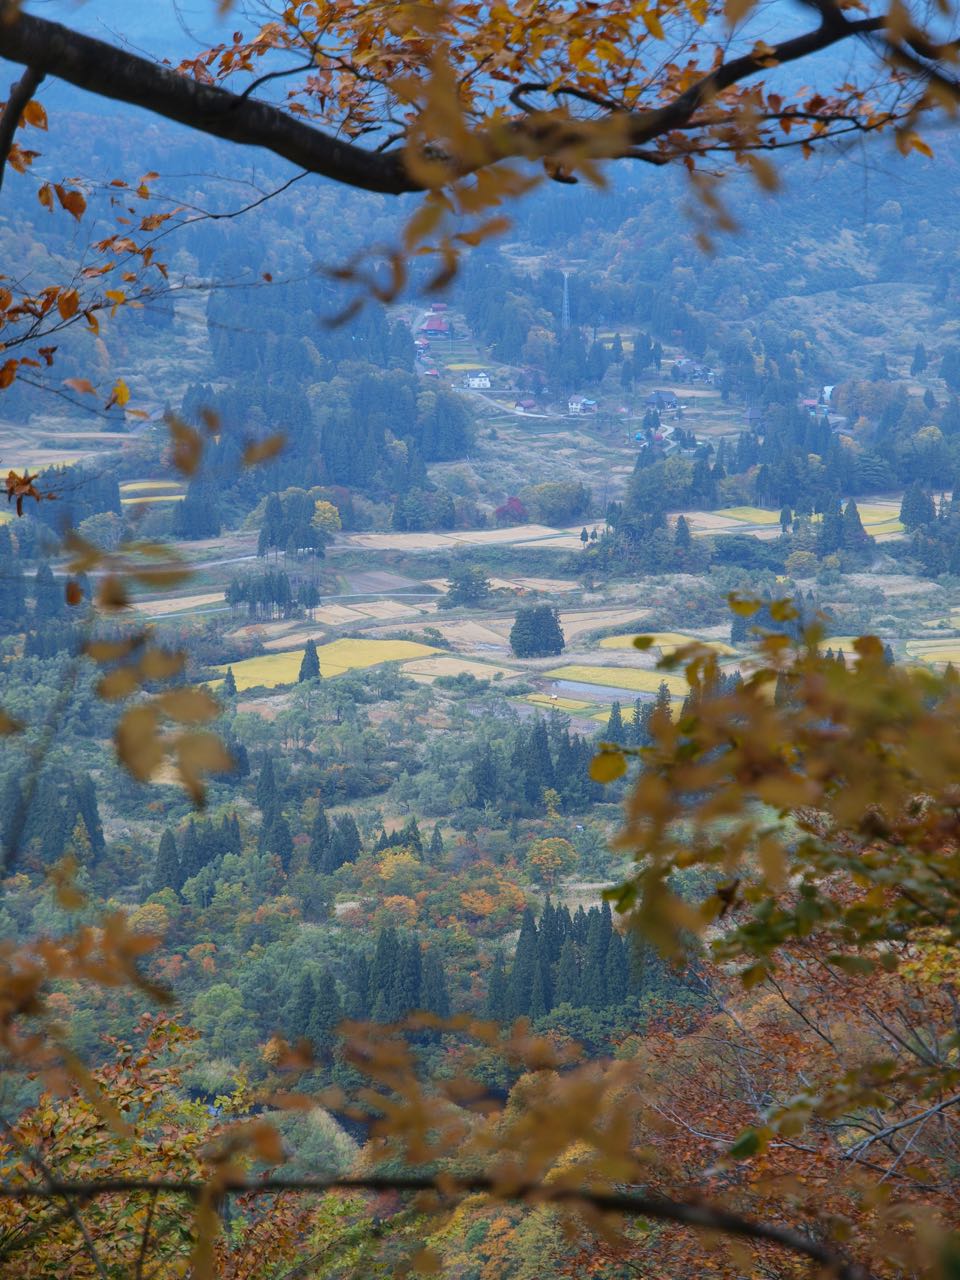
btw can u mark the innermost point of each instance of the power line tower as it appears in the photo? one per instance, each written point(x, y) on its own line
point(565, 307)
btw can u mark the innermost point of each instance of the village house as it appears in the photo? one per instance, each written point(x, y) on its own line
point(479, 381)
point(435, 324)
point(580, 405)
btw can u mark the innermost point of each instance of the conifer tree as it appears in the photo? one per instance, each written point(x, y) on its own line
point(301, 1006)
point(538, 1005)
point(166, 869)
point(327, 1010)
point(436, 845)
point(279, 840)
point(525, 966)
point(615, 725)
point(615, 974)
point(266, 793)
point(567, 986)
point(358, 992)
point(383, 977)
point(85, 802)
point(310, 664)
point(319, 841)
point(229, 686)
point(434, 997)
point(48, 598)
point(409, 978)
point(344, 844)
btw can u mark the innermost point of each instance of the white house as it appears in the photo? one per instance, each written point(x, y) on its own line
point(478, 381)
point(580, 405)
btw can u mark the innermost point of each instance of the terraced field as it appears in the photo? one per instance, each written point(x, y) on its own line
point(273, 669)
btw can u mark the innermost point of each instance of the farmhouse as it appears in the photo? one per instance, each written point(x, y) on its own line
point(478, 381)
point(580, 405)
point(662, 400)
point(435, 324)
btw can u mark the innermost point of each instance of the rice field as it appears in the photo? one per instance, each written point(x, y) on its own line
point(666, 641)
point(935, 651)
point(564, 704)
point(750, 515)
point(634, 679)
point(272, 669)
point(464, 366)
point(448, 665)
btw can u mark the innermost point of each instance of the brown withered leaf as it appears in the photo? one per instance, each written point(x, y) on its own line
point(139, 745)
point(263, 450)
point(188, 706)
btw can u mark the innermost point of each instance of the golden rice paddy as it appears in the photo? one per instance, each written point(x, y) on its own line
point(633, 678)
point(272, 669)
point(666, 641)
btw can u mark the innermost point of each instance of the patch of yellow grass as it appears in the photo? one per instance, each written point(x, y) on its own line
point(883, 526)
point(146, 486)
point(750, 515)
point(464, 366)
point(272, 669)
point(632, 678)
point(935, 651)
point(565, 704)
point(873, 512)
point(666, 641)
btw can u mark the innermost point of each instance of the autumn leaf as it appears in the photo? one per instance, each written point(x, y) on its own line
point(263, 450)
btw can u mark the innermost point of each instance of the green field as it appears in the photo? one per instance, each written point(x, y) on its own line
point(272, 669)
point(631, 678)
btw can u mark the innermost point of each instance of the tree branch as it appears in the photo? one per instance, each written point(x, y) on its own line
point(20, 95)
point(116, 74)
point(859, 1147)
point(659, 1208)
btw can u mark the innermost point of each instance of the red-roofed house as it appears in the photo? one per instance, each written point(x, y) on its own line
point(435, 324)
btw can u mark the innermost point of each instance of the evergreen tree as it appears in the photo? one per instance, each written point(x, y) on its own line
point(567, 986)
point(538, 1005)
point(85, 804)
point(266, 792)
point(615, 725)
point(344, 845)
point(279, 841)
point(525, 967)
point(592, 985)
point(301, 1006)
point(409, 977)
point(682, 537)
point(536, 632)
point(310, 664)
point(229, 686)
point(919, 361)
point(434, 997)
point(436, 845)
point(166, 870)
point(615, 971)
point(855, 537)
point(327, 1010)
point(383, 977)
point(358, 992)
point(319, 841)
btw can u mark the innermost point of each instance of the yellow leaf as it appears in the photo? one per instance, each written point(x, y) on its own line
point(764, 172)
point(608, 766)
point(68, 303)
point(735, 10)
point(120, 395)
point(157, 664)
point(187, 445)
point(112, 594)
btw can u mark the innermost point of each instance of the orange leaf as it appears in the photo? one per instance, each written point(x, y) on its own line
point(262, 450)
point(34, 114)
point(68, 303)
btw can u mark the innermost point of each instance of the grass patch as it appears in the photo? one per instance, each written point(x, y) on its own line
point(749, 515)
point(666, 641)
point(272, 669)
point(565, 704)
point(632, 678)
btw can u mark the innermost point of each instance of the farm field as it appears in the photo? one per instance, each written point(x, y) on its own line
point(666, 641)
point(272, 669)
point(449, 665)
point(631, 678)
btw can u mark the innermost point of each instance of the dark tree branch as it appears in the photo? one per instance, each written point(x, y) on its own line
point(658, 1208)
point(113, 73)
point(20, 95)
